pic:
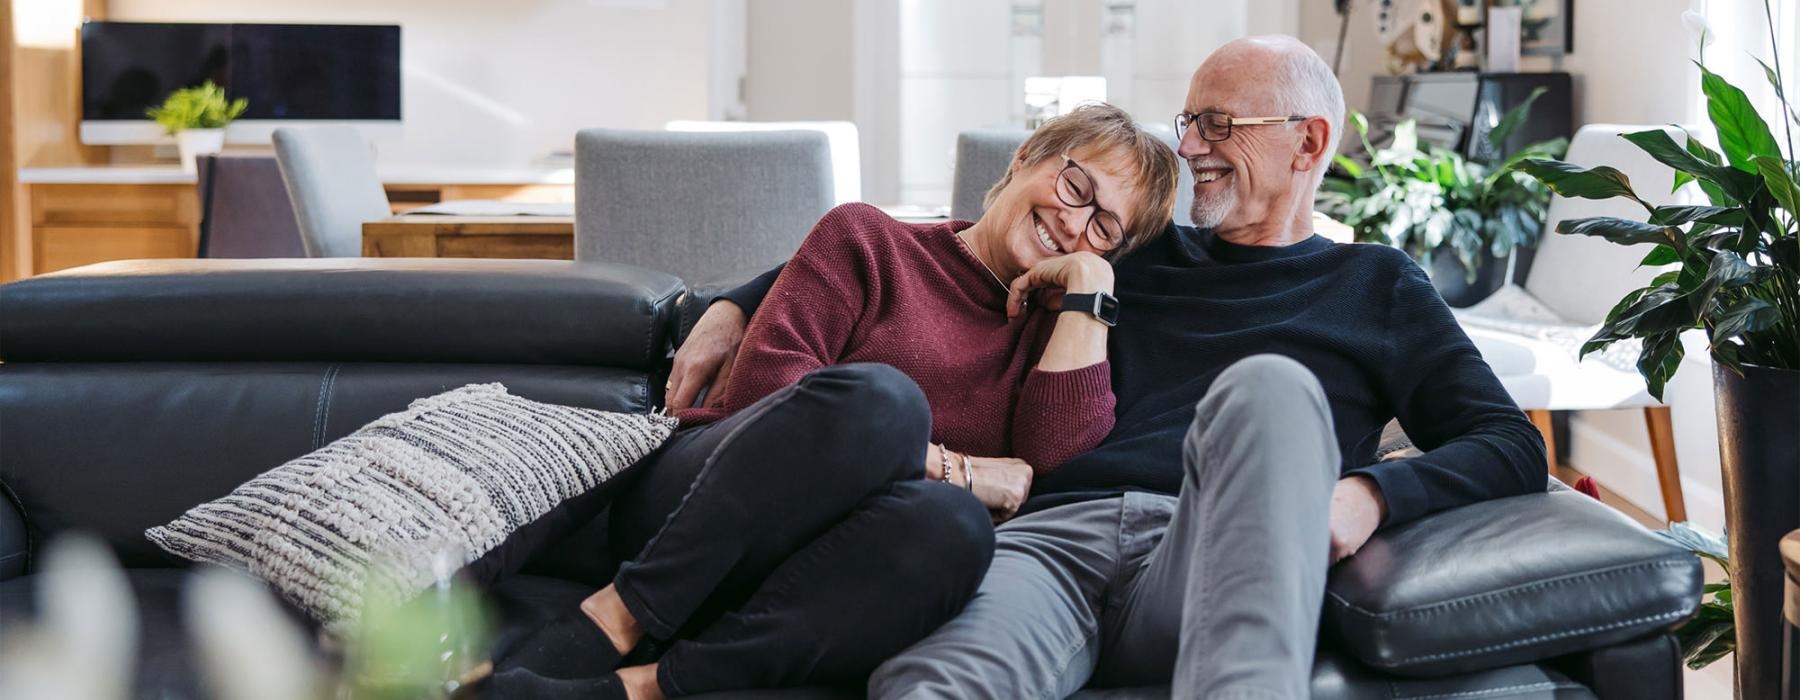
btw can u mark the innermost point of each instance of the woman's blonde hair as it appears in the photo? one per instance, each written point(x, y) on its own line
point(1107, 128)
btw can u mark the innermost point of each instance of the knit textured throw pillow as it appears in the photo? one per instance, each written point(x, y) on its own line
point(471, 472)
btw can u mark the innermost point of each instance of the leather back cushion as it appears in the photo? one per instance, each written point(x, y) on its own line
point(114, 448)
point(529, 312)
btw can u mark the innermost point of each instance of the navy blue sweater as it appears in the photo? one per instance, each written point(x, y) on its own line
point(1363, 318)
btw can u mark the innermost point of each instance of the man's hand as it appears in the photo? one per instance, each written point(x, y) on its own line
point(705, 357)
point(1001, 484)
point(1357, 508)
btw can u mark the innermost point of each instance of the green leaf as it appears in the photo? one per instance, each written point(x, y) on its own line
point(1663, 148)
point(1727, 271)
point(1660, 358)
point(1780, 182)
point(1511, 120)
point(1742, 132)
point(1678, 215)
point(1714, 193)
point(1689, 166)
point(1570, 180)
point(1621, 231)
point(1350, 167)
point(1360, 122)
point(1749, 315)
point(1659, 256)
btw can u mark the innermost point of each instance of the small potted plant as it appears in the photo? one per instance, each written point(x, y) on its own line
point(196, 117)
point(1459, 219)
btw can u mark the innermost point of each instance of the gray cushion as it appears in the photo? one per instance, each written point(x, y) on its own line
point(698, 205)
point(982, 156)
point(453, 475)
point(1507, 581)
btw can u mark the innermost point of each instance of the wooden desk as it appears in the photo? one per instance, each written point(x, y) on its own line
point(442, 236)
point(545, 237)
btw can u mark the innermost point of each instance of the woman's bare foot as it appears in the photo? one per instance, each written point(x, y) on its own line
point(607, 610)
point(640, 682)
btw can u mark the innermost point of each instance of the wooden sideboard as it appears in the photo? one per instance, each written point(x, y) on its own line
point(93, 214)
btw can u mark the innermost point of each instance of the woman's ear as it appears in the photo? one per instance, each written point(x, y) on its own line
point(1018, 163)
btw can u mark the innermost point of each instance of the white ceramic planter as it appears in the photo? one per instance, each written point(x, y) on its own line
point(193, 143)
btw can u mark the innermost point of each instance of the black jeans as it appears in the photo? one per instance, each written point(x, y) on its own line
point(796, 542)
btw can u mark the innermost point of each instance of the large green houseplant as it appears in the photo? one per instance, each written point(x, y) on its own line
point(1735, 274)
point(1428, 200)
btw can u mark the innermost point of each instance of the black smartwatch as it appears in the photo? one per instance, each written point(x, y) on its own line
point(1104, 307)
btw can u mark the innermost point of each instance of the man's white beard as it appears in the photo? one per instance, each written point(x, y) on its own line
point(1208, 211)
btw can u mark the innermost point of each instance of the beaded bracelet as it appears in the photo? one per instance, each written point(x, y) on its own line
point(944, 455)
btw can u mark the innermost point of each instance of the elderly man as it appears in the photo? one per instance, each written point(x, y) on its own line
point(1255, 364)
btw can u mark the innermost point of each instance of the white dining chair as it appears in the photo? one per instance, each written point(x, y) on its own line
point(1531, 334)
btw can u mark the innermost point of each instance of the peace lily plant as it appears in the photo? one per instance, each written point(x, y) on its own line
point(1733, 272)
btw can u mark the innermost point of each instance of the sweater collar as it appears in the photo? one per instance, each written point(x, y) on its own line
point(1205, 243)
point(975, 277)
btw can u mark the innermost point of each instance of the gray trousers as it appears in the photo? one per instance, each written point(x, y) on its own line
point(1217, 590)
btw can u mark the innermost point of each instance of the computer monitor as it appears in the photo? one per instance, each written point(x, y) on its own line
point(291, 74)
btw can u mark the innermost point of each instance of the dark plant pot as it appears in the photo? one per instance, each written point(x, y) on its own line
point(1759, 451)
point(1447, 274)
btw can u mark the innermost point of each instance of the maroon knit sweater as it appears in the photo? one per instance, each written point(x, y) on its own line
point(867, 288)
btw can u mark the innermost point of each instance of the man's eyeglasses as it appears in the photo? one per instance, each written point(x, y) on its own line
point(1216, 126)
point(1076, 189)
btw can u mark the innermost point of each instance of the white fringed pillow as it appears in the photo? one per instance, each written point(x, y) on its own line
point(477, 472)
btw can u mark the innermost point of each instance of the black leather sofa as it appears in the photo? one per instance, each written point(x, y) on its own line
point(131, 391)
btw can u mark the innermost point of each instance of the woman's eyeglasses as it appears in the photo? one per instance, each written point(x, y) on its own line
point(1216, 126)
point(1075, 187)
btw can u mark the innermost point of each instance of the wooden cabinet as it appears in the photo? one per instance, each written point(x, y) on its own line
point(77, 224)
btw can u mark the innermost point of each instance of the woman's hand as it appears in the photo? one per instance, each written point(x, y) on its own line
point(1001, 484)
point(1076, 273)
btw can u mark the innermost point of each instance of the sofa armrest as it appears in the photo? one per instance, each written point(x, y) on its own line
point(15, 541)
point(1507, 581)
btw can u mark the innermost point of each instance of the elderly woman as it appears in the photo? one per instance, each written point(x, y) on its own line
point(894, 394)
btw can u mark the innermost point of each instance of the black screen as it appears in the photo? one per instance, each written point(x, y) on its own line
point(286, 71)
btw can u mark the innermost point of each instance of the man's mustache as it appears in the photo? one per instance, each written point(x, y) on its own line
point(1196, 165)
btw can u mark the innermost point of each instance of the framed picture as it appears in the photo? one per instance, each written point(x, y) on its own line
point(1548, 27)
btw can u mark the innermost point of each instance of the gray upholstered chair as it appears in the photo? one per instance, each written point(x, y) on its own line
point(701, 206)
point(983, 155)
point(244, 209)
point(330, 176)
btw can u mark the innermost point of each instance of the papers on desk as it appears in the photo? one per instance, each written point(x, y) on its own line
point(494, 207)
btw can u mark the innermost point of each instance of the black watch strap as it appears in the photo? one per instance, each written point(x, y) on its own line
point(1102, 306)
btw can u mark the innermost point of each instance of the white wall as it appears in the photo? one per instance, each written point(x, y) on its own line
point(962, 65)
point(506, 83)
point(802, 61)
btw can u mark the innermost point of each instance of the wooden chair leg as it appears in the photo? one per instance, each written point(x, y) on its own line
point(1540, 417)
point(1668, 471)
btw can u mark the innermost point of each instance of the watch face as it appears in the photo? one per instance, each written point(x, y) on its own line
point(1106, 308)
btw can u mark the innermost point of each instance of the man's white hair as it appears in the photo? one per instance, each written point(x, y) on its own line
point(1306, 86)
